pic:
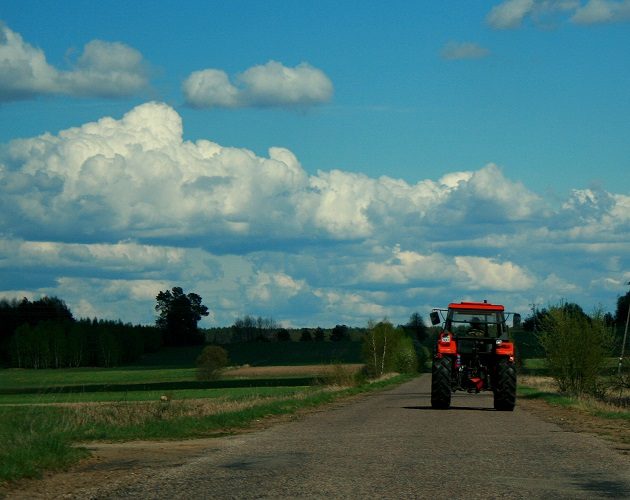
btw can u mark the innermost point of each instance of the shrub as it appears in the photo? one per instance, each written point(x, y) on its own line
point(576, 347)
point(423, 355)
point(387, 349)
point(341, 376)
point(210, 362)
point(405, 359)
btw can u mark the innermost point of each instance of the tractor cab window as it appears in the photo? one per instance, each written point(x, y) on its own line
point(475, 323)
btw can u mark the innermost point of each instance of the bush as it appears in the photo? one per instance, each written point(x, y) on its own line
point(210, 362)
point(387, 349)
point(405, 358)
point(576, 347)
point(423, 354)
point(342, 376)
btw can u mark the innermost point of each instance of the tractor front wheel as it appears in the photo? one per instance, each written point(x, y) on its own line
point(441, 383)
point(505, 387)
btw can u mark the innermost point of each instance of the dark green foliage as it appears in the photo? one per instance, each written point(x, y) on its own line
point(178, 316)
point(210, 362)
point(417, 328)
point(534, 322)
point(319, 335)
point(621, 315)
point(305, 335)
point(527, 344)
point(577, 347)
point(387, 349)
point(15, 313)
point(53, 344)
point(283, 335)
point(249, 329)
point(262, 354)
point(293, 353)
point(339, 332)
point(423, 356)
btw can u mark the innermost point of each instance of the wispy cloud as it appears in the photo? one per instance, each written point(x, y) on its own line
point(511, 14)
point(602, 11)
point(268, 85)
point(103, 69)
point(463, 50)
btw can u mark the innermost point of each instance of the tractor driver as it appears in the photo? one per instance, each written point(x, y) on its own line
point(476, 328)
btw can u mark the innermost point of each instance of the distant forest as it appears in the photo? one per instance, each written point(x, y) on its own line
point(44, 334)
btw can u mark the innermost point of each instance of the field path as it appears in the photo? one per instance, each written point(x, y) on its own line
point(385, 445)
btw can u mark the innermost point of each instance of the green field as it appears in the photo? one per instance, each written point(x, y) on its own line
point(235, 394)
point(46, 414)
point(20, 379)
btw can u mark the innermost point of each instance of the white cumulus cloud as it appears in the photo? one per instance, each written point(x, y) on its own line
point(107, 214)
point(487, 274)
point(268, 85)
point(103, 69)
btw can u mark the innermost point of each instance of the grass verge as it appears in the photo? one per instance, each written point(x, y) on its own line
point(578, 414)
point(43, 437)
point(542, 388)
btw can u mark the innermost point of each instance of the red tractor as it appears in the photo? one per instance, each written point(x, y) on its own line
point(473, 353)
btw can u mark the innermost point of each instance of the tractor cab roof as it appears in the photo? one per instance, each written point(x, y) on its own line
point(479, 306)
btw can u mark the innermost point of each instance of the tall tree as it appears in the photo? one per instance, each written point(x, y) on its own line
point(179, 314)
point(319, 334)
point(416, 326)
point(338, 333)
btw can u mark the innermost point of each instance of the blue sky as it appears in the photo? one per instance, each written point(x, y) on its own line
point(421, 152)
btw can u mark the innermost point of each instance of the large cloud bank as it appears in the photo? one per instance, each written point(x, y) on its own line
point(107, 214)
point(103, 69)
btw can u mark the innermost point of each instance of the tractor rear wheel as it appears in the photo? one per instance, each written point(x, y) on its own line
point(441, 383)
point(505, 387)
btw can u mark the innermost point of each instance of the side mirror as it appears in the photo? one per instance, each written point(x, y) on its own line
point(435, 318)
point(516, 320)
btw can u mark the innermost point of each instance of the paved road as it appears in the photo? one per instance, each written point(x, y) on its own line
point(393, 445)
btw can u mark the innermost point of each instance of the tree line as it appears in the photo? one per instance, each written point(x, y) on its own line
point(259, 329)
point(44, 334)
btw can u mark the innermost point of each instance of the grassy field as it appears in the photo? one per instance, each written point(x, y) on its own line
point(75, 385)
point(20, 379)
point(45, 414)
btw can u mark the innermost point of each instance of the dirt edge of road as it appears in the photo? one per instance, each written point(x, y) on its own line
point(120, 463)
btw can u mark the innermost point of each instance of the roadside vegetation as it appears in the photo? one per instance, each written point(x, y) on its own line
point(579, 372)
point(44, 431)
point(46, 414)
